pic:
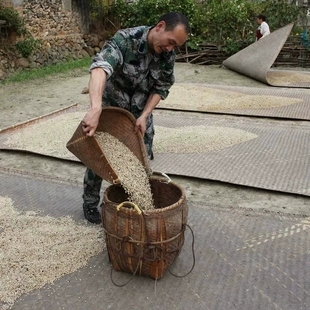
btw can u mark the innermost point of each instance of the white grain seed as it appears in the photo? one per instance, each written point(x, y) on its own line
point(210, 99)
point(48, 137)
point(287, 78)
point(197, 139)
point(37, 250)
point(128, 168)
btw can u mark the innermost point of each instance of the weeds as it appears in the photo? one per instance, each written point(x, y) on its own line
point(71, 68)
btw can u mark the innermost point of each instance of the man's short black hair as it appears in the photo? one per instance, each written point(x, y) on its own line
point(173, 19)
point(262, 17)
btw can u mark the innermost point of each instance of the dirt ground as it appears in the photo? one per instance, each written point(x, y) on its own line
point(21, 102)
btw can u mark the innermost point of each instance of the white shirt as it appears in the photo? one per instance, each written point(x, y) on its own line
point(264, 29)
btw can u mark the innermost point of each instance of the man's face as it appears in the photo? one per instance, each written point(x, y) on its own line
point(166, 41)
point(259, 20)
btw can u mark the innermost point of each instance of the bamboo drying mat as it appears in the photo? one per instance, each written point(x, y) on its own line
point(46, 127)
point(256, 60)
point(278, 159)
point(288, 78)
point(298, 101)
point(245, 259)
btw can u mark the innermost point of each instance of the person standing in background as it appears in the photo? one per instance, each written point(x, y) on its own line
point(263, 28)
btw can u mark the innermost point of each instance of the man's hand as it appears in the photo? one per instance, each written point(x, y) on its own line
point(141, 125)
point(151, 103)
point(96, 85)
point(90, 121)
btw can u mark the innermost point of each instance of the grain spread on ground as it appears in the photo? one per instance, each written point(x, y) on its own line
point(128, 168)
point(36, 250)
point(48, 137)
point(198, 139)
point(209, 99)
point(282, 78)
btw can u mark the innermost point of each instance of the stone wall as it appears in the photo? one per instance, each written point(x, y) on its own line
point(59, 32)
point(7, 2)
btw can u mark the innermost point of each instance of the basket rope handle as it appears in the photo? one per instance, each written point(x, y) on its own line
point(139, 211)
point(129, 204)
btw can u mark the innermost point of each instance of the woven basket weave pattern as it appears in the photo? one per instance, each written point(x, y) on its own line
point(120, 124)
point(150, 241)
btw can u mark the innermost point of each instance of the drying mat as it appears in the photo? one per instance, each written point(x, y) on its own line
point(245, 259)
point(278, 159)
point(46, 195)
point(256, 60)
point(288, 78)
point(244, 101)
point(46, 135)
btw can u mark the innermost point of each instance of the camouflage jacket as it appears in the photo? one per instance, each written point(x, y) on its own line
point(133, 73)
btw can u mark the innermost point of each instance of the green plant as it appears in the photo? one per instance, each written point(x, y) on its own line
point(13, 20)
point(232, 46)
point(278, 12)
point(67, 69)
point(229, 24)
point(28, 45)
point(146, 12)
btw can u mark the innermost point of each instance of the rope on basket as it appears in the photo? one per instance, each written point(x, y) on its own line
point(148, 246)
point(151, 246)
point(194, 258)
point(130, 240)
point(133, 275)
point(127, 239)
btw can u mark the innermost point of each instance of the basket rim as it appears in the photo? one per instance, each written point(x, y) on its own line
point(152, 211)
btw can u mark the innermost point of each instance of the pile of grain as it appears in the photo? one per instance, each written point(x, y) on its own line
point(281, 78)
point(208, 99)
point(37, 250)
point(48, 137)
point(198, 139)
point(128, 168)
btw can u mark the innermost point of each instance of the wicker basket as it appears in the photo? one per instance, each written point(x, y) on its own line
point(119, 123)
point(145, 242)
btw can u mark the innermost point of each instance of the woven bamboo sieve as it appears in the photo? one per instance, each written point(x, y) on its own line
point(118, 122)
point(145, 242)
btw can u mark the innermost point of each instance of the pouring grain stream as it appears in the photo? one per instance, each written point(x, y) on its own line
point(129, 169)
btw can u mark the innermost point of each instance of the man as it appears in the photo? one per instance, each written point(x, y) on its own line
point(134, 71)
point(263, 28)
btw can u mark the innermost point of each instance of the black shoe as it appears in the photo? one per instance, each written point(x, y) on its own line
point(92, 215)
